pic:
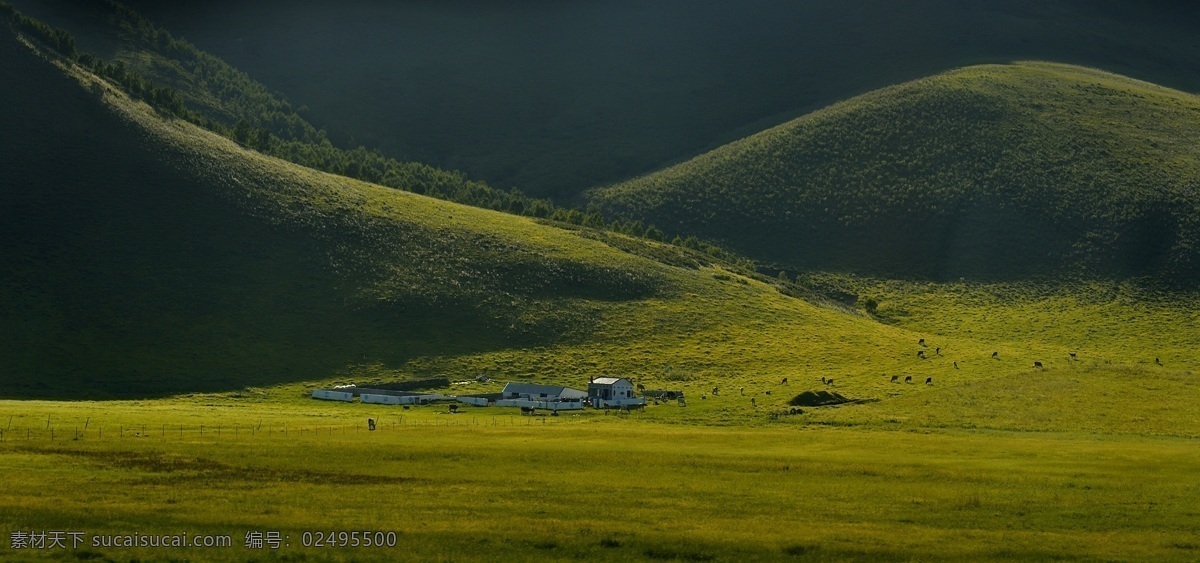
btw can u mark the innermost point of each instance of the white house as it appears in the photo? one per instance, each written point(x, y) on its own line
point(550, 393)
point(612, 392)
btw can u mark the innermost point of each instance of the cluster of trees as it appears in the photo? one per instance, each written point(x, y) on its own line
point(58, 39)
point(246, 112)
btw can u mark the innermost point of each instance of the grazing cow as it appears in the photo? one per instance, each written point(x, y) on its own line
point(955, 365)
point(370, 424)
point(641, 388)
point(830, 382)
point(742, 390)
point(823, 379)
point(938, 351)
point(928, 381)
point(1037, 364)
point(453, 408)
point(716, 391)
point(921, 342)
point(1073, 355)
point(895, 378)
point(703, 396)
point(908, 379)
point(921, 354)
point(783, 381)
point(752, 402)
point(1157, 361)
point(768, 391)
point(995, 355)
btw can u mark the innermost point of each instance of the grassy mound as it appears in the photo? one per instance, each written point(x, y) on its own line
point(994, 172)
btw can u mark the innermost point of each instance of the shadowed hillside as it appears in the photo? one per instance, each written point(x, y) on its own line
point(990, 172)
point(143, 256)
point(555, 97)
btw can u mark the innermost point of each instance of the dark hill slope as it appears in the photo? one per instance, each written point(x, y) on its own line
point(988, 172)
point(141, 256)
point(555, 97)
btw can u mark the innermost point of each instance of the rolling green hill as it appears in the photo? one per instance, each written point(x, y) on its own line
point(143, 255)
point(995, 172)
point(556, 97)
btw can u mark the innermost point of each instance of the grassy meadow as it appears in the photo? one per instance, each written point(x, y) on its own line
point(484, 484)
point(1086, 459)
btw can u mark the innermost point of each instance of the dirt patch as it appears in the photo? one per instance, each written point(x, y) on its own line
point(178, 468)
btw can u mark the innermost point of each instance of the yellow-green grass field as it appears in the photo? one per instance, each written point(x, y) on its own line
point(490, 484)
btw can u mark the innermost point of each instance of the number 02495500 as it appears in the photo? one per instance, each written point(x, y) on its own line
point(348, 539)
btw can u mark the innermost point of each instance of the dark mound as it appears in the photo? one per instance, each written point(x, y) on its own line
point(817, 399)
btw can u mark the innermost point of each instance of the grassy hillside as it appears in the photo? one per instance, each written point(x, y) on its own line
point(990, 172)
point(144, 256)
point(555, 97)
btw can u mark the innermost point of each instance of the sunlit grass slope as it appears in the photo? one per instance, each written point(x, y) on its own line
point(496, 486)
point(144, 256)
point(994, 172)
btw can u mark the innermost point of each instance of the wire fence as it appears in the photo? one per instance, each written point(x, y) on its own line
point(92, 430)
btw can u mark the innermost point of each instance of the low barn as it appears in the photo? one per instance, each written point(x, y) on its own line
point(535, 392)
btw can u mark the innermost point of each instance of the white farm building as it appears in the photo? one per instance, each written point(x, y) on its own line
point(612, 392)
point(552, 397)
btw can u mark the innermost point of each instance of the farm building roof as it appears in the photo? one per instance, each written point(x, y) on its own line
point(548, 390)
point(606, 380)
